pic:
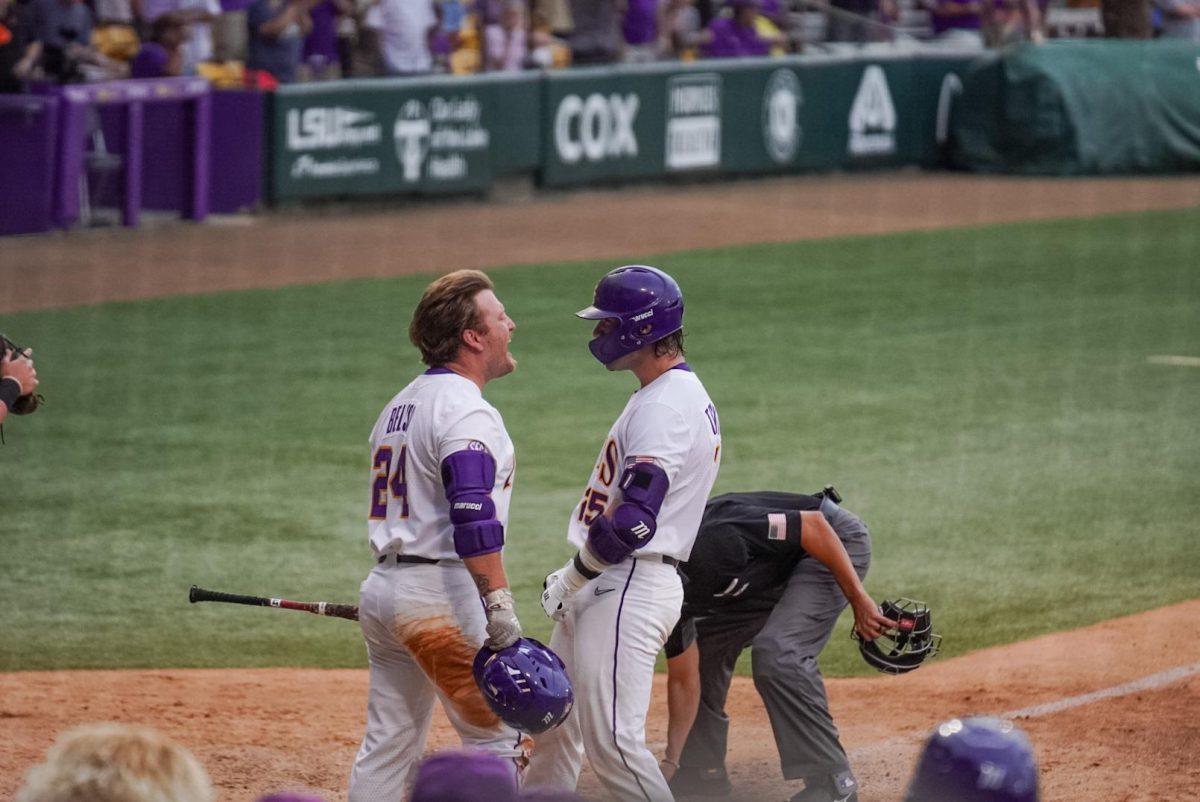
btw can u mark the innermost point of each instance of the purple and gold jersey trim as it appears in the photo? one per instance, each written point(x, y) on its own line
point(438, 371)
point(682, 366)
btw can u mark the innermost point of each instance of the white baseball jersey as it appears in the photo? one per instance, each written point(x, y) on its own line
point(437, 414)
point(615, 625)
point(672, 422)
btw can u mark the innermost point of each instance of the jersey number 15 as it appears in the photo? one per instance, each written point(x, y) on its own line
point(385, 479)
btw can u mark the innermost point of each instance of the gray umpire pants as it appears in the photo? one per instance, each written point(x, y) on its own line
point(785, 631)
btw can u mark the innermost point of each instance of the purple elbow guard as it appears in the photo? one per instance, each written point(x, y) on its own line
point(479, 538)
point(604, 542)
point(468, 477)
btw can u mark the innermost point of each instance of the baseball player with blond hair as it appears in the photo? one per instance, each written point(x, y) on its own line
point(618, 598)
point(441, 478)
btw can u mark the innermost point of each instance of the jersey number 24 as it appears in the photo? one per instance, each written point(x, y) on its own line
point(386, 480)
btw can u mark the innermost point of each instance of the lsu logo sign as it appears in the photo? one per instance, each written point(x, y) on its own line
point(327, 128)
point(873, 116)
point(596, 128)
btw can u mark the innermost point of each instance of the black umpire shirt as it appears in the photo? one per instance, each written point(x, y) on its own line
point(747, 547)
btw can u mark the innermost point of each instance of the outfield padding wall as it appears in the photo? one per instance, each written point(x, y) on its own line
point(605, 125)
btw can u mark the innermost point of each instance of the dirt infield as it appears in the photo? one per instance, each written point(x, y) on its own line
point(300, 248)
point(262, 730)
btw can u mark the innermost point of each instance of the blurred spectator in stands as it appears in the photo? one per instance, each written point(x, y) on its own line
point(956, 22)
point(319, 57)
point(115, 34)
point(117, 763)
point(407, 26)
point(442, 40)
point(506, 44)
point(229, 31)
point(1008, 22)
point(1126, 19)
point(198, 15)
point(63, 29)
point(464, 776)
point(366, 54)
point(640, 27)
point(276, 36)
point(861, 20)
point(546, 48)
point(162, 54)
point(19, 52)
point(772, 24)
point(681, 29)
point(1180, 19)
point(596, 38)
point(737, 34)
point(554, 16)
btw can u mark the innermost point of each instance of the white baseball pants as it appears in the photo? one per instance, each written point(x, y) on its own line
point(614, 628)
point(423, 625)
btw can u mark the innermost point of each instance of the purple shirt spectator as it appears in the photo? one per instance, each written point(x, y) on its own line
point(150, 62)
point(640, 24)
point(730, 40)
point(321, 43)
point(954, 15)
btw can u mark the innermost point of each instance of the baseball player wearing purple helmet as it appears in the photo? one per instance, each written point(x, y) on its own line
point(618, 598)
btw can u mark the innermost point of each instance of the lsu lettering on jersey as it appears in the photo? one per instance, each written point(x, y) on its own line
point(437, 414)
point(674, 423)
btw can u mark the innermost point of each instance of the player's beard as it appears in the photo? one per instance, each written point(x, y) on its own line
point(503, 364)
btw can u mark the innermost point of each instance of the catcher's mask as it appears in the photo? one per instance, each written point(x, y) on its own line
point(908, 645)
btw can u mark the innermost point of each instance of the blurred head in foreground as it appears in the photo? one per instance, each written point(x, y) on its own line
point(117, 763)
point(975, 760)
point(464, 777)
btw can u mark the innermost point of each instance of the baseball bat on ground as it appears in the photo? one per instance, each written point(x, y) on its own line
point(347, 611)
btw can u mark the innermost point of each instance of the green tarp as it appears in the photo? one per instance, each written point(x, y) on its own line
point(1082, 108)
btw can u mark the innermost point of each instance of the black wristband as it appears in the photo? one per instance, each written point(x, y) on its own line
point(10, 391)
point(583, 569)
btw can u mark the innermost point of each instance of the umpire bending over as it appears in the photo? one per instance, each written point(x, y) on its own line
point(771, 571)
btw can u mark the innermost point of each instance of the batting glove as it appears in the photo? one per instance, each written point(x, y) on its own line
point(503, 628)
point(555, 596)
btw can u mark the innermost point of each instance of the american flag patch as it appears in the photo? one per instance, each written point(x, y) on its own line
point(776, 526)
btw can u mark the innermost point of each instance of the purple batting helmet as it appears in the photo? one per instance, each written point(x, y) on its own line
point(646, 303)
point(464, 777)
point(975, 760)
point(526, 685)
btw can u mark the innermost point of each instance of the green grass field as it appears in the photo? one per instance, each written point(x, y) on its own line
point(981, 397)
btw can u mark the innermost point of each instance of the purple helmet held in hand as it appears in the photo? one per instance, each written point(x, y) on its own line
point(975, 760)
point(646, 303)
point(526, 685)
